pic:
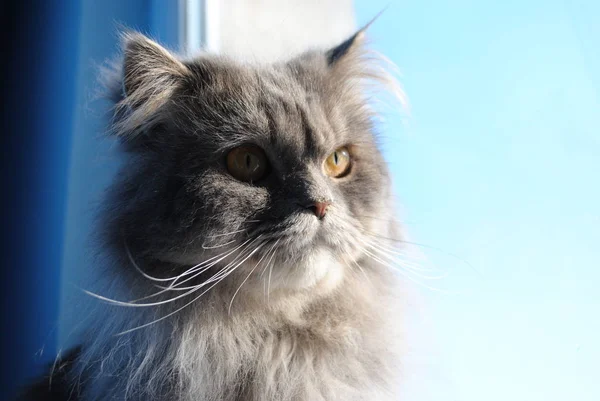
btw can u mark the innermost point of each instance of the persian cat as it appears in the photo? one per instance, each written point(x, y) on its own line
point(248, 235)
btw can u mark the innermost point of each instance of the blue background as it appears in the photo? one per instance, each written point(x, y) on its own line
point(49, 121)
point(498, 163)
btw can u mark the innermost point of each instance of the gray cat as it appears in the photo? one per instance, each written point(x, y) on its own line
point(249, 235)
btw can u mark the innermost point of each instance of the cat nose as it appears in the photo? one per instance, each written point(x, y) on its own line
point(319, 208)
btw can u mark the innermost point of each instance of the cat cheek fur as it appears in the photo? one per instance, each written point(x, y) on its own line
point(260, 300)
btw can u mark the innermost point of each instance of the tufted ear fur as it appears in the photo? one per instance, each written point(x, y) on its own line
point(149, 75)
point(345, 49)
point(355, 72)
point(148, 68)
point(351, 47)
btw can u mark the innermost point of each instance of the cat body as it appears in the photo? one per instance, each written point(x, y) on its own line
point(247, 241)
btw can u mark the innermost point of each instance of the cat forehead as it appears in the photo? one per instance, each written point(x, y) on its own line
point(280, 105)
point(223, 75)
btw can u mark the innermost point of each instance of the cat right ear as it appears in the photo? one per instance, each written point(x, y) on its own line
point(150, 72)
point(149, 75)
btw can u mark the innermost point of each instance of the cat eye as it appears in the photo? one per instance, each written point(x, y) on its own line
point(337, 164)
point(247, 163)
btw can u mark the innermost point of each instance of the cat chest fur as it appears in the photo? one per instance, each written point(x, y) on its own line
point(334, 360)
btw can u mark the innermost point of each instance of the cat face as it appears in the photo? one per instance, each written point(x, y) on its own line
point(249, 170)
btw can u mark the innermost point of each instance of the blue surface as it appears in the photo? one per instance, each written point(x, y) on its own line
point(53, 160)
point(38, 97)
point(498, 163)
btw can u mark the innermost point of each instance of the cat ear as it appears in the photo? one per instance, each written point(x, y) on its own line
point(345, 49)
point(353, 70)
point(148, 77)
point(149, 70)
point(351, 47)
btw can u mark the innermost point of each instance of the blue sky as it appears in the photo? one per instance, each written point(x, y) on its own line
point(498, 163)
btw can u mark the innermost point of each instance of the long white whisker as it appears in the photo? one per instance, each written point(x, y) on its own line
point(409, 267)
point(217, 246)
point(246, 279)
point(406, 268)
point(138, 305)
point(168, 315)
point(272, 250)
point(224, 234)
point(271, 271)
point(221, 256)
point(389, 249)
point(405, 274)
point(179, 288)
point(226, 273)
point(197, 270)
point(175, 286)
point(403, 263)
point(143, 273)
point(189, 303)
point(452, 255)
point(361, 270)
point(135, 303)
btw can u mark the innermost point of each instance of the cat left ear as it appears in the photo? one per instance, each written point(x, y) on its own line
point(350, 46)
point(346, 48)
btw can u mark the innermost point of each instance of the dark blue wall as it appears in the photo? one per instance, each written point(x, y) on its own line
point(42, 72)
point(39, 69)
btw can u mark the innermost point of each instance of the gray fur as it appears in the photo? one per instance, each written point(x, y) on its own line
point(311, 314)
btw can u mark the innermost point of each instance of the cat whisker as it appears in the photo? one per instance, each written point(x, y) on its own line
point(271, 263)
point(361, 270)
point(272, 252)
point(408, 267)
point(385, 219)
point(450, 254)
point(267, 264)
point(137, 305)
point(53, 368)
point(190, 289)
point(224, 234)
point(407, 275)
point(192, 301)
point(178, 288)
point(400, 263)
point(196, 271)
point(217, 246)
point(395, 256)
point(404, 267)
point(225, 272)
point(173, 279)
point(139, 269)
point(218, 275)
point(246, 279)
point(174, 286)
point(168, 315)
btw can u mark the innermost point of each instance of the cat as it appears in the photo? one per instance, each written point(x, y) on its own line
point(248, 235)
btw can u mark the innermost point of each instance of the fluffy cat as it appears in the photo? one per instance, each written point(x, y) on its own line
point(248, 237)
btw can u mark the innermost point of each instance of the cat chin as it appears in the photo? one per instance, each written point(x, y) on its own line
point(321, 270)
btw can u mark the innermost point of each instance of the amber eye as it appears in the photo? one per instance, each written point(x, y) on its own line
point(337, 164)
point(247, 163)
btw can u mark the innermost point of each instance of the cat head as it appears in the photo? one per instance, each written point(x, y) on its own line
point(238, 169)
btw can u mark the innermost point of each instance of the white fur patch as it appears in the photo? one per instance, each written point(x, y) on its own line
point(321, 269)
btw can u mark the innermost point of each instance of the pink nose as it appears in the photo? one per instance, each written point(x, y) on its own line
point(320, 209)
